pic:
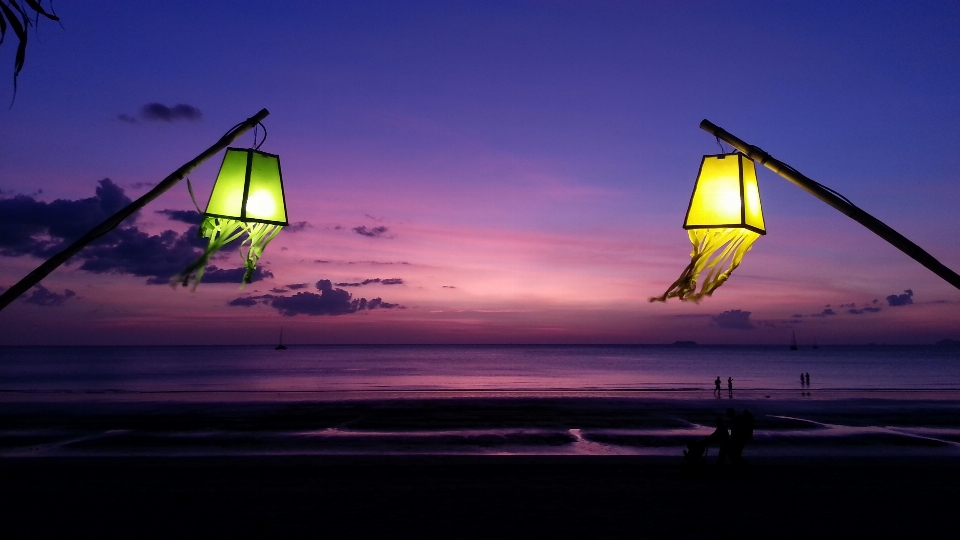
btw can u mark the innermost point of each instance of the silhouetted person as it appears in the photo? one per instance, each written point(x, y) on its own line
point(722, 438)
point(747, 420)
point(808, 379)
point(717, 384)
point(741, 431)
point(802, 380)
point(730, 384)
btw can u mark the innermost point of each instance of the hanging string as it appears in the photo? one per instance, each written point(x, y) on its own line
point(264, 135)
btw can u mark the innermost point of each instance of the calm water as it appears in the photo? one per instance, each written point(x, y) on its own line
point(372, 369)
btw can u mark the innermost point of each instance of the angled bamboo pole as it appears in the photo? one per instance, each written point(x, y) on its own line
point(113, 221)
point(826, 195)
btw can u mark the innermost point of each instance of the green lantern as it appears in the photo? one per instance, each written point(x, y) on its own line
point(247, 199)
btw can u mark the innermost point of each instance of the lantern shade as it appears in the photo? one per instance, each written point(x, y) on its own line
point(249, 188)
point(726, 195)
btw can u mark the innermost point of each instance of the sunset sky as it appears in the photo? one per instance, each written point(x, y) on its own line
point(497, 172)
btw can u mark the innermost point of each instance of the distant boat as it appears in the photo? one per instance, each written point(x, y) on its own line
point(793, 341)
point(280, 346)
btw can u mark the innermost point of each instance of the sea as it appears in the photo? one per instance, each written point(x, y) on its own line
point(250, 372)
point(503, 400)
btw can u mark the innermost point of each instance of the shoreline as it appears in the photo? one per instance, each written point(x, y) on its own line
point(480, 426)
point(14, 396)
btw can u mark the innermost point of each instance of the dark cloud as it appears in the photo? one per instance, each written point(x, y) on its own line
point(297, 227)
point(297, 286)
point(42, 229)
point(449, 287)
point(278, 290)
point(126, 118)
point(132, 251)
point(329, 301)
point(896, 300)
point(321, 261)
point(158, 112)
point(861, 311)
point(41, 296)
point(375, 232)
point(850, 305)
point(825, 313)
point(388, 281)
point(308, 303)
point(191, 217)
point(734, 318)
point(212, 274)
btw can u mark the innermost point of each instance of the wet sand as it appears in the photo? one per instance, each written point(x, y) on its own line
point(476, 468)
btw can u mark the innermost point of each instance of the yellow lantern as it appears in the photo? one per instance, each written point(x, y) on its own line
point(247, 198)
point(723, 220)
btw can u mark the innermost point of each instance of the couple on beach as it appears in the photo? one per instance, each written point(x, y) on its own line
point(717, 384)
point(731, 442)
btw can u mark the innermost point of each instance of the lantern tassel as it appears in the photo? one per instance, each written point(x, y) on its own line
point(716, 254)
point(258, 236)
point(222, 231)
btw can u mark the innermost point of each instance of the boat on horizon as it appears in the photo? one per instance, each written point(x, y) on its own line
point(280, 346)
point(793, 341)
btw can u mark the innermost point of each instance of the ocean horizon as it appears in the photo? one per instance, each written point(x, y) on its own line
point(219, 370)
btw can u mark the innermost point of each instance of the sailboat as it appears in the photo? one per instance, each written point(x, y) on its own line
point(280, 346)
point(793, 341)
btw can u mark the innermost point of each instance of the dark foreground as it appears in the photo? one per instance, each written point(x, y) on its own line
point(474, 497)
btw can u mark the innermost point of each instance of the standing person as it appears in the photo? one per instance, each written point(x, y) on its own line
point(808, 379)
point(801, 380)
point(722, 437)
point(716, 391)
point(741, 431)
point(730, 384)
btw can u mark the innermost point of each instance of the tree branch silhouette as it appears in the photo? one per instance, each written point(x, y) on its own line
point(15, 15)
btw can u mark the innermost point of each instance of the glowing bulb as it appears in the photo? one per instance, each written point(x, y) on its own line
point(260, 204)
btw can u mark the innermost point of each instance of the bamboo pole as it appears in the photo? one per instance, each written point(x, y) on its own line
point(113, 221)
point(876, 226)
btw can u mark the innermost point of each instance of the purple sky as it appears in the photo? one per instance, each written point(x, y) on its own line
point(520, 169)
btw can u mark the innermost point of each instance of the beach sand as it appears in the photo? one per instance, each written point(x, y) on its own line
point(476, 468)
point(475, 497)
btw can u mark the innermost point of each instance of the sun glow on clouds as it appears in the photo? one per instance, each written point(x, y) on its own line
point(526, 182)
